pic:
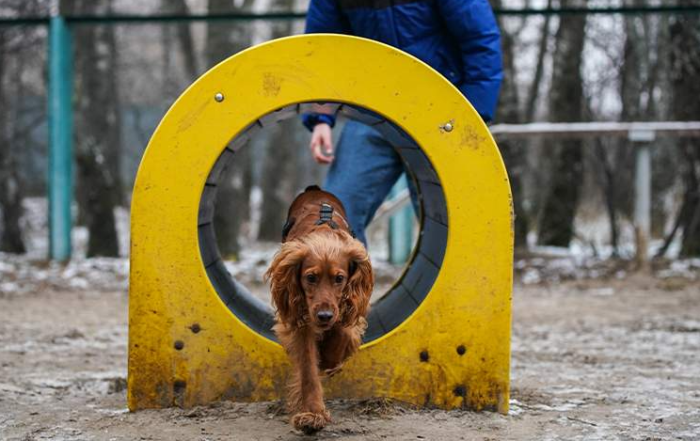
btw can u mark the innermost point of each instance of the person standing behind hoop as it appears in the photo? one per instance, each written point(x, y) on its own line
point(458, 38)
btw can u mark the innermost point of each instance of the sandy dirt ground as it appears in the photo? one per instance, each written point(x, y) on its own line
point(597, 359)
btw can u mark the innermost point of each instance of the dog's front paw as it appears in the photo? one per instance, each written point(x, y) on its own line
point(309, 422)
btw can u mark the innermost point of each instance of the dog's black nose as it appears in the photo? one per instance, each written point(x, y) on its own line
point(324, 316)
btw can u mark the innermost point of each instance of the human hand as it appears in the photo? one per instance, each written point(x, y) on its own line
point(322, 144)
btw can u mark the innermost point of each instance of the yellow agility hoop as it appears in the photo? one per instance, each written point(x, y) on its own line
point(440, 337)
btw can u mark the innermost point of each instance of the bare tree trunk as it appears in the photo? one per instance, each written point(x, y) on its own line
point(184, 37)
point(100, 200)
point(279, 182)
point(168, 75)
point(685, 64)
point(113, 151)
point(11, 188)
point(513, 151)
point(534, 90)
point(232, 207)
point(609, 187)
point(97, 124)
point(633, 65)
point(280, 166)
point(617, 163)
point(566, 105)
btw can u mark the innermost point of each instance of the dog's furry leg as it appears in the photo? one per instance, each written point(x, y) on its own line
point(305, 399)
point(338, 345)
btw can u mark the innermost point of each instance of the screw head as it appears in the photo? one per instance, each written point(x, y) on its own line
point(219, 97)
point(460, 391)
point(448, 127)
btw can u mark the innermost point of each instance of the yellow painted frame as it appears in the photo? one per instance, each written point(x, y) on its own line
point(186, 347)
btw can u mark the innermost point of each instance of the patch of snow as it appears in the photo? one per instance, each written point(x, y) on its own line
point(602, 292)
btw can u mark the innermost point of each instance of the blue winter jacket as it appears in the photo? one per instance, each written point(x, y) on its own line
point(458, 38)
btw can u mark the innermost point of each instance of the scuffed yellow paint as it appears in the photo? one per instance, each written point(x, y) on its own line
point(169, 291)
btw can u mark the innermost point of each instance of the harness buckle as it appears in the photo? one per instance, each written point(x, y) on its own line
point(326, 216)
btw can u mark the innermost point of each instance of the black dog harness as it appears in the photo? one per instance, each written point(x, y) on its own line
point(325, 216)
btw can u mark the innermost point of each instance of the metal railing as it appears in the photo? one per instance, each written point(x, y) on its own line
point(642, 134)
point(634, 131)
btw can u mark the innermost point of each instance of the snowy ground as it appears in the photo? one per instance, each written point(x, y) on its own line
point(592, 359)
point(32, 273)
point(599, 352)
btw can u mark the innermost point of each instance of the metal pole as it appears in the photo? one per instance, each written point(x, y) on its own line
point(400, 228)
point(642, 195)
point(60, 181)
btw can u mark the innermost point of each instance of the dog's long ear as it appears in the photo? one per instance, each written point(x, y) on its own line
point(283, 275)
point(360, 284)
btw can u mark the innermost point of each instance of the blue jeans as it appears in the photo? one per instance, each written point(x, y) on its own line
point(365, 169)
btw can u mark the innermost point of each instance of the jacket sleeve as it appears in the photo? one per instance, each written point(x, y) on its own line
point(323, 16)
point(473, 25)
point(311, 119)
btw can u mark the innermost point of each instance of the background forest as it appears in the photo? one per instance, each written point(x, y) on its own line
point(558, 68)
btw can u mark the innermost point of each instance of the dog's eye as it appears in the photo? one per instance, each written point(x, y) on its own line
point(339, 278)
point(311, 278)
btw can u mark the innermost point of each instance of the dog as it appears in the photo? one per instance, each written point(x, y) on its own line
point(321, 281)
